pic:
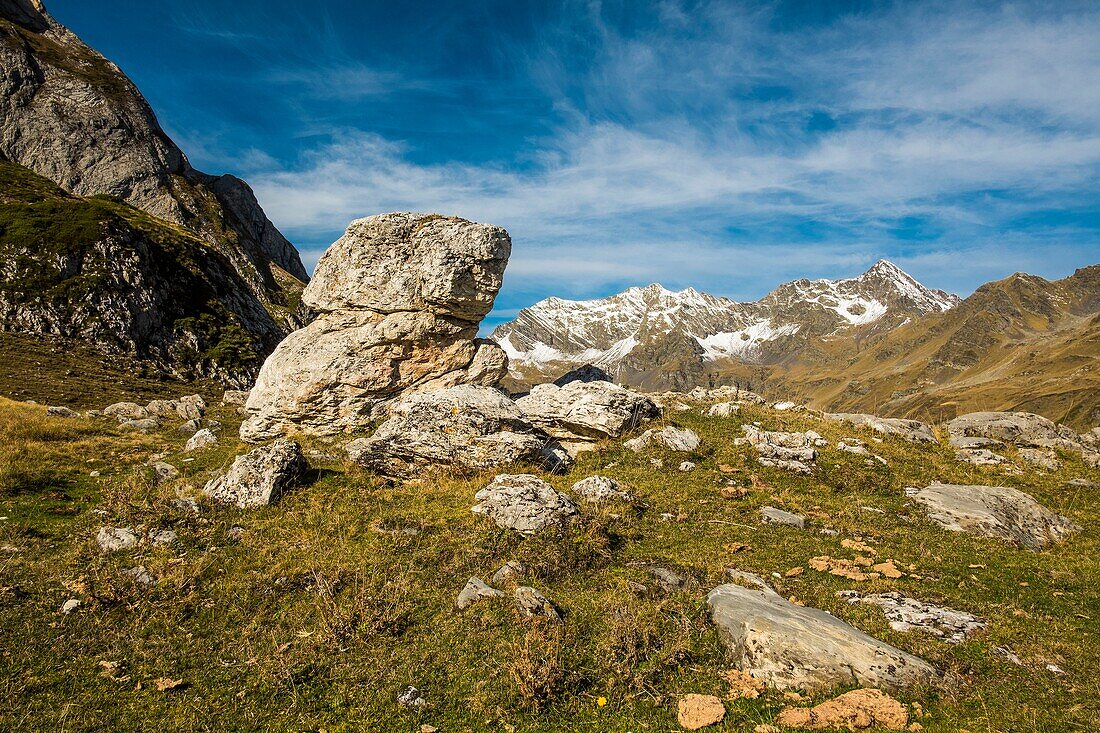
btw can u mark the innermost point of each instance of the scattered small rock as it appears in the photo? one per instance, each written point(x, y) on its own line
point(58, 411)
point(411, 698)
point(509, 572)
point(743, 685)
point(162, 537)
point(533, 603)
point(595, 489)
point(190, 427)
point(202, 439)
point(474, 591)
point(143, 425)
point(70, 605)
point(140, 575)
point(524, 503)
point(686, 467)
point(164, 472)
point(669, 580)
point(124, 411)
point(676, 439)
point(261, 476)
point(112, 539)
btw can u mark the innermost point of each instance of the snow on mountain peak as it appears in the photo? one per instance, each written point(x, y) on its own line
point(605, 330)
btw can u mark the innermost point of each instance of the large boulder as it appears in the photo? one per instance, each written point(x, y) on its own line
point(260, 477)
point(400, 298)
point(581, 411)
point(795, 647)
point(993, 511)
point(466, 426)
point(912, 430)
point(1017, 428)
point(524, 503)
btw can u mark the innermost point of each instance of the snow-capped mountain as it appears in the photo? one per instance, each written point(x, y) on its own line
point(651, 328)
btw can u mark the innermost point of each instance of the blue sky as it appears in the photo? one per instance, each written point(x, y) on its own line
point(728, 146)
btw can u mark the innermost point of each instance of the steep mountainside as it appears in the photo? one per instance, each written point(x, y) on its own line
point(655, 338)
point(102, 272)
point(1022, 343)
point(73, 117)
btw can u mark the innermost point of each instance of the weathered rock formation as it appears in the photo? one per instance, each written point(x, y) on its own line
point(993, 511)
point(1022, 429)
point(400, 298)
point(789, 646)
point(466, 426)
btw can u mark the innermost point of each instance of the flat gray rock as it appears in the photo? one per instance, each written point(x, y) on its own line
point(772, 515)
point(998, 512)
point(796, 647)
point(261, 476)
point(524, 503)
point(1017, 428)
point(908, 614)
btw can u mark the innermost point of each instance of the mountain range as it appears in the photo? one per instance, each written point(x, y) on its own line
point(879, 342)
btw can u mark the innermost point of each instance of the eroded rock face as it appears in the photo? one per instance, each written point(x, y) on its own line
point(586, 411)
point(466, 426)
point(993, 511)
point(1017, 428)
point(260, 477)
point(400, 298)
point(912, 430)
point(789, 646)
point(524, 503)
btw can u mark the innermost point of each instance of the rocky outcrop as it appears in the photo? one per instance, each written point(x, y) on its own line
point(73, 117)
point(597, 489)
point(400, 298)
point(524, 503)
point(1021, 429)
point(261, 476)
point(796, 647)
point(166, 264)
point(582, 412)
point(912, 430)
point(998, 512)
point(466, 426)
point(791, 451)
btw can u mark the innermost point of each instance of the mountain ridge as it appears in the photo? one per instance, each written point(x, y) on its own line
point(615, 332)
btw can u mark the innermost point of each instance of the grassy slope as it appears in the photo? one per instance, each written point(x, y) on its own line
point(42, 225)
point(320, 614)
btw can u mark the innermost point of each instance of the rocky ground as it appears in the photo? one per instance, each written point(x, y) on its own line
point(687, 588)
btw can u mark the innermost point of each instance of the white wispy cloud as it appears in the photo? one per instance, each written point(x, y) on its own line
point(667, 145)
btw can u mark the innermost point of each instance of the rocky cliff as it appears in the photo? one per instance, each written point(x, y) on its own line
point(102, 272)
point(71, 116)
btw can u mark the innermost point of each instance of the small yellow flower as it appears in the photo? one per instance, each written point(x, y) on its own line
point(601, 701)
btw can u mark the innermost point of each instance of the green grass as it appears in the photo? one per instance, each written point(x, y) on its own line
point(322, 612)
